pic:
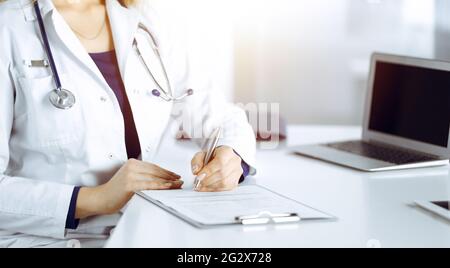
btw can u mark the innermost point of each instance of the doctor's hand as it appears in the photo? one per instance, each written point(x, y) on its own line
point(133, 176)
point(221, 174)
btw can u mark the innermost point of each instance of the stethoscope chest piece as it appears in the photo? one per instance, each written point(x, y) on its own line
point(62, 98)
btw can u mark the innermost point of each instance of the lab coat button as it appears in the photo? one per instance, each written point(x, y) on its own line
point(103, 99)
point(74, 243)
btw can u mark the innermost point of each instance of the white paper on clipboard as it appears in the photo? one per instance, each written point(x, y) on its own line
point(215, 209)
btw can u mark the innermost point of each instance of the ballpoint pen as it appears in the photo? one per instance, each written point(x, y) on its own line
point(210, 146)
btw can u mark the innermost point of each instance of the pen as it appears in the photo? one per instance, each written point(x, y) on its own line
point(210, 146)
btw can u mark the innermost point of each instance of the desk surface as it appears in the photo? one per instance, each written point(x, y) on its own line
point(374, 209)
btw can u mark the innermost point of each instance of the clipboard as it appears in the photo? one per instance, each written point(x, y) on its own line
point(247, 205)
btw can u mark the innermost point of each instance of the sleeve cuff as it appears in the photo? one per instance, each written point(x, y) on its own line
point(245, 168)
point(246, 156)
point(71, 222)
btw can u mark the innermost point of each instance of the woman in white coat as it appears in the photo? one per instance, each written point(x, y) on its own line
point(66, 174)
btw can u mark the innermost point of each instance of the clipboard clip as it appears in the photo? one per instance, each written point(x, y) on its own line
point(266, 217)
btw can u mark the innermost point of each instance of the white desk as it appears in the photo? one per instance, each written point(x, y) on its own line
point(373, 209)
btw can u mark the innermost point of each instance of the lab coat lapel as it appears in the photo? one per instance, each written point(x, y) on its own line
point(75, 46)
point(124, 24)
point(69, 39)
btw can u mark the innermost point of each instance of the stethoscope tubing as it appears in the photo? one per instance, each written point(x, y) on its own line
point(166, 95)
point(48, 50)
point(141, 58)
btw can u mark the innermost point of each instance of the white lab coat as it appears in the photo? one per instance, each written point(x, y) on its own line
point(45, 152)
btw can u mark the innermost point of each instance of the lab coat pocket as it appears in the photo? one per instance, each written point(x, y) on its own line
point(52, 127)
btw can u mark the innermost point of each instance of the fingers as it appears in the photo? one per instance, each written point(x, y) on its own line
point(197, 162)
point(223, 185)
point(224, 163)
point(220, 175)
point(151, 170)
point(221, 162)
point(155, 184)
point(217, 179)
point(213, 166)
point(222, 156)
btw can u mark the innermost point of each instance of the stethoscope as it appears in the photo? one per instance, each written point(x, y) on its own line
point(160, 92)
point(64, 99)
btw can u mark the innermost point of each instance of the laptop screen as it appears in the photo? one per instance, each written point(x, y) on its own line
point(411, 102)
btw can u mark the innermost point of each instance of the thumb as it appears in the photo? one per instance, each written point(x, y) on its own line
point(197, 162)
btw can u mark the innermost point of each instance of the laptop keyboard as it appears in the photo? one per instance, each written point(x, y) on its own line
point(380, 152)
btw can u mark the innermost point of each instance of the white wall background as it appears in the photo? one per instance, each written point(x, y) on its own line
point(311, 56)
point(207, 31)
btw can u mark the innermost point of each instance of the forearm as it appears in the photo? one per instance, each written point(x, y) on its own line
point(88, 202)
point(132, 177)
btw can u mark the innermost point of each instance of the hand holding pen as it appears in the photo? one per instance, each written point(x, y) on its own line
point(218, 168)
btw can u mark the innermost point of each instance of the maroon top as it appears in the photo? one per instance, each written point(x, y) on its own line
point(108, 66)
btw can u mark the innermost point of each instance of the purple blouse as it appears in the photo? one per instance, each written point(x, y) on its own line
point(107, 64)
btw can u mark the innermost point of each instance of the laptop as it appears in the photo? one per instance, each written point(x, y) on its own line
point(406, 121)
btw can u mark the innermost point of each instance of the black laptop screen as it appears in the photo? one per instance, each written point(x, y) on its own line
point(411, 102)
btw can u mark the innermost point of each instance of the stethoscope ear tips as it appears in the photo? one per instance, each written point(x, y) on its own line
point(156, 93)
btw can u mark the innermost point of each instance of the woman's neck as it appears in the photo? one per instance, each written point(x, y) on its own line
point(89, 21)
point(77, 3)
